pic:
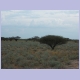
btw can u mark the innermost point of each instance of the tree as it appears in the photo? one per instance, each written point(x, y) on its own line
point(53, 40)
point(17, 38)
point(3, 38)
point(10, 38)
point(35, 38)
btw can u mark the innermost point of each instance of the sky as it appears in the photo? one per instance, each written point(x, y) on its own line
point(31, 23)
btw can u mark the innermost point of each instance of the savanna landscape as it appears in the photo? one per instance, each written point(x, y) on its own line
point(32, 54)
point(40, 39)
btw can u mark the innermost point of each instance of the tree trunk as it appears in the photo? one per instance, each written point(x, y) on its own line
point(52, 46)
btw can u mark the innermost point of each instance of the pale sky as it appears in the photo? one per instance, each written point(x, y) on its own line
point(30, 23)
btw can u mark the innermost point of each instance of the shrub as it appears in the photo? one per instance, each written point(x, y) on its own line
point(54, 58)
point(73, 57)
point(54, 64)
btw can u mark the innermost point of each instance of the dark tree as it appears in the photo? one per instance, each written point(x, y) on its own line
point(3, 38)
point(17, 38)
point(6, 39)
point(10, 39)
point(36, 38)
point(53, 40)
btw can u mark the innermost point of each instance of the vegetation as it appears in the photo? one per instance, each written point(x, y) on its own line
point(34, 54)
point(36, 38)
point(53, 40)
point(10, 38)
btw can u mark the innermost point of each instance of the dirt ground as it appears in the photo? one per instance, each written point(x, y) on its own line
point(74, 64)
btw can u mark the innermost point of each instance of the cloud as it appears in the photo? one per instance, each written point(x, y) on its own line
point(45, 17)
point(32, 22)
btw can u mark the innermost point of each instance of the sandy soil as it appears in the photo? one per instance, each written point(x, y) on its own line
point(74, 64)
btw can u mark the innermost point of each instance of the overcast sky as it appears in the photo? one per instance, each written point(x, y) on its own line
point(30, 23)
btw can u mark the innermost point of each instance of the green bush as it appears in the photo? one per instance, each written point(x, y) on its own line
point(73, 57)
point(54, 64)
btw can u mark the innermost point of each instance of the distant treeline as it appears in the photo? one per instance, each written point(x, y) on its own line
point(10, 38)
point(35, 38)
point(50, 40)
